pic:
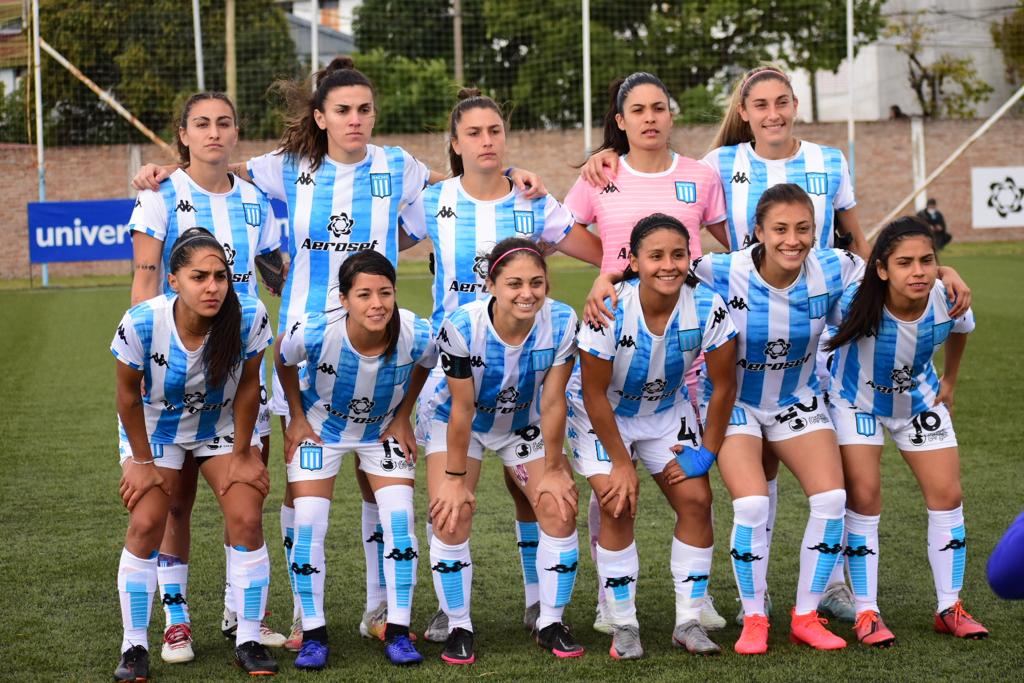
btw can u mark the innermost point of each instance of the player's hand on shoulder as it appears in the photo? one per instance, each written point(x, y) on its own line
point(601, 168)
point(150, 176)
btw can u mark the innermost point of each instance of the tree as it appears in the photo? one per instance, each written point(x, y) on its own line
point(1008, 36)
point(946, 86)
point(413, 95)
point(142, 52)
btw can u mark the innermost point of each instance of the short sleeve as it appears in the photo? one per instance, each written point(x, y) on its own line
point(844, 198)
point(719, 327)
point(293, 342)
point(853, 267)
point(580, 202)
point(596, 340)
point(126, 346)
point(703, 270)
point(413, 218)
point(267, 173)
point(558, 221)
point(414, 177)
point(259, 332)
point(711, 161)
point(149, 215)
point(964, 324)
point(714, 209)
point(426, 346)
point(270, 231)
point(453, 350)
point(567, 346)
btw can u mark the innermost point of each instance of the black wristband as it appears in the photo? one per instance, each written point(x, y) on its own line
point(455, 474)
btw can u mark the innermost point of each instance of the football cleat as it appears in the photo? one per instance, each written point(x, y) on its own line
point(871, 630)
point(559, 641)
point(458, 649)
point(312, 656)
point(437, 628)
point(134, 665)
point(530, 617)
point(957, 622)
point(254, 659)
point(809, 629)
point(692, 636)
point(754, 638)
point(374, 622)
point(710, 619)
point(177, 647)
point(837, 602)
point(400, 651)
point(626, 643)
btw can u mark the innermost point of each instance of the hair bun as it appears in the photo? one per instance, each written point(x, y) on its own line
point(466, 93)
point(340, 63)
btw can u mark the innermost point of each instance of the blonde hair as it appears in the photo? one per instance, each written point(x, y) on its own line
point(733, 130)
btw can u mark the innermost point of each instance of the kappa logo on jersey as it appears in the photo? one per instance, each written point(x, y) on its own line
point(477, 362)
point(326, 368)
point(184, 206)
point(522, 450)
point(777, 349)
point(138, 202)
point(360, 405)
point(341, 225)
point(508, 395)
point(159, 359)
point(230, 253)
point(655, 386)
point(686, 192)
point(264, 322)
point(380, 185)
point(253, 214)
point(443, 567)
point(291, 332)
point(817, 183)
point(738, 303)
point(720, 315)
point(609, 188)
point(288, 543)
point(445, 212)
point(563, 568)
point(443, 336)
point(523, 222)
point(626, 341)
point(740, 177)
point(305, 179)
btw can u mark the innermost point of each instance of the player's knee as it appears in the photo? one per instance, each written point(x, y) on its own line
point(946, 497)
point(245, 523)
point(146, 529)
point(550, 517)
point(864, 498)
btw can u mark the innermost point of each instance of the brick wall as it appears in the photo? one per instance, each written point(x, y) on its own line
point(883, 173)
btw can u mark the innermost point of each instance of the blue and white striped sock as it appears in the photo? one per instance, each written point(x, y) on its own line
point(820, 548)
point(173, 582)
point(136, 583)
point(619, 570)
point(862, 559)
point(691, 570)
point(250, 581)
point(527, 538)
point(947, 554)
point(452, 570)
point(401, 550)
point(749, 550)
point(556, 564)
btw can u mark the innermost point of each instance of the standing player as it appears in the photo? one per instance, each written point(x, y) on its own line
point(464, 217)
point(205, 193)
point(506, 360)
point(883, 376)
point(188, 383)
point(364, 368)
point(629, 402)
point(651, 177)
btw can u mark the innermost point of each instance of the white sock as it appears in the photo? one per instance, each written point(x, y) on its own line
point(820, 548)
point(373, 549)
point(229, 595)
point(136, 583)
point(619, 571)
point(309, 563)
point(593, 529)
point(773, 505)
point(401, 550)
point(556, 563)
point(250, 580)
point(862, 559)
point(173, 583)
point(288, 543)
point(527, 539)
point(947, 554)
point(691, 569)
point(453, 581)
point(750, 551)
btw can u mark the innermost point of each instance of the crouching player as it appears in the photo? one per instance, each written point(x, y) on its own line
point(197, 355)
point(883, 376)
point(365, 366)
point(629, 402)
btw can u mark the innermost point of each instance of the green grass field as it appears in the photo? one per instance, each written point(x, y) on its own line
point(64, 526)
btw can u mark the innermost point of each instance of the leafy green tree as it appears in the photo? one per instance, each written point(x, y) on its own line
point(1008, 35)
point(413, 95)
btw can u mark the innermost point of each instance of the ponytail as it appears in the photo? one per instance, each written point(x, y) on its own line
point(183, 151)
point(618, 90)
point(469, 98)
point(733, 130)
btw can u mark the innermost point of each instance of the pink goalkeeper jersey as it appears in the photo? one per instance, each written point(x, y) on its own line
point(688, 190)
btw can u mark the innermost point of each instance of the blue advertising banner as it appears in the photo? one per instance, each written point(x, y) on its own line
point(79, 231)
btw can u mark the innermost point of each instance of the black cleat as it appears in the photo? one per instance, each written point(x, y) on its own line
point(255, 660)
point(458, 649)
point(134, 665)
point(557, 639)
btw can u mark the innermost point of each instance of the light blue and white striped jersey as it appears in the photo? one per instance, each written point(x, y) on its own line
point(463, 230)
point(334, 212)
point(779, 329)
point(178, 404)
point(821, 171)
point(648, 370)
point(891, 374)
point(506, 379)
point(241, 219)
point(349, 397)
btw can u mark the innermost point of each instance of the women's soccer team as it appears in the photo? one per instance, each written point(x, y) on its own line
point(782, 348)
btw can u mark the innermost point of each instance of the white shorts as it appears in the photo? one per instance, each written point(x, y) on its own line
point(278, 404)
point(927, 431)
point(779, 424)
point(424, 412)
point(172, 455)
point(516, 448)
point(649, 438)
point(384, 459)
point(263, 417)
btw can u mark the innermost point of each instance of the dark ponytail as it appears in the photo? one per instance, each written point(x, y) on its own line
point(865, 312)
point(619, 89)
point(783, 193)
point(469, 98)
point(372, 263)
point(222, 352)
point(644, 227)
point(183, 152)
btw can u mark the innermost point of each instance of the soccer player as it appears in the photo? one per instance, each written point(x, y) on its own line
point(464, 217)
point(629, 402)
point(188, 382)
point(506, 359)
point(204, 192)
point(780, 292)
point(364, 368)
point(651, 178)
point(883, 376)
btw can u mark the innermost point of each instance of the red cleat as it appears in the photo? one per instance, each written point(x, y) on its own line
point(957, 622)
point(871, 630)
point(809, 629)
point(754, 639)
